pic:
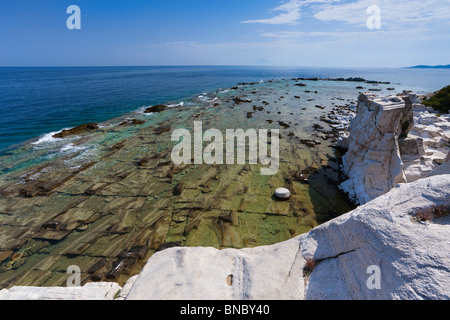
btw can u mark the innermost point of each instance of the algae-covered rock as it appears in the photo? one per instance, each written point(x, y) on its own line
point(156, 108)
point(77, 130)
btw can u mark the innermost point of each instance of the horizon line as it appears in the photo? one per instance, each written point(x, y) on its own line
point(198, 65)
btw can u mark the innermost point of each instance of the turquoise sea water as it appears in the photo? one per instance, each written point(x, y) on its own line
point(36, 101)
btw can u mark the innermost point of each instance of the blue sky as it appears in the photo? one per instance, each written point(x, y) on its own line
point(329, 33)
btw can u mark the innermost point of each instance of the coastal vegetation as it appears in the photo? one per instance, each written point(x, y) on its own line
point(440, 100)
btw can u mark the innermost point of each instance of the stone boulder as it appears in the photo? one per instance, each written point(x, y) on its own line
point(411, 146)
point(156, 108)
point(77, 130)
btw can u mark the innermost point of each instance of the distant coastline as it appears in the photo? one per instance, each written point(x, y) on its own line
point(430, 67)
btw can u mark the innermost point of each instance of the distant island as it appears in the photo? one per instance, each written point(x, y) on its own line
point(434, 67)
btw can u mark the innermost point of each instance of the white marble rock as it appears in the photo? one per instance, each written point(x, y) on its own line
point(282, 193)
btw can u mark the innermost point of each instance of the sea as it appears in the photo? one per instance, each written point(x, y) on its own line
point(38, 101)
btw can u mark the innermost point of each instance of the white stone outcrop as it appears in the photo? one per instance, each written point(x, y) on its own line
point(431, 132)
point(90, 291)
point(442, 169)
point(270, 272)
point(372, 163)
point(413, 259)
point(391, 140)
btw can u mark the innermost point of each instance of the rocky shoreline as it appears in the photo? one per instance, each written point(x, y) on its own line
point(396, 160)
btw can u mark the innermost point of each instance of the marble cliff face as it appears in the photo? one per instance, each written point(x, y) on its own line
point(391, 140)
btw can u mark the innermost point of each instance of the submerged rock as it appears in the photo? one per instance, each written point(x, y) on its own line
point(239, 100)
point(156, 108)
point(283, 124)
point(128, 122)
point(160, 130)
point(77, 130)
point(309, 143)
point(168, 245)
point(178, 189)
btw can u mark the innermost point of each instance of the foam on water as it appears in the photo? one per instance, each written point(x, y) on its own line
point(176, 105)
point(72, 148)
point(46, 138)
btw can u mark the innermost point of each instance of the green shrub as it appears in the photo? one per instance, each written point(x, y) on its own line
point(440, 100)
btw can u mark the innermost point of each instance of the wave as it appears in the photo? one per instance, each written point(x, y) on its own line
point(176, 105)
point(71, 148)
point(47, 138)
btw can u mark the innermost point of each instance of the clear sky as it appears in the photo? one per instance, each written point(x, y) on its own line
point(328, 33)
